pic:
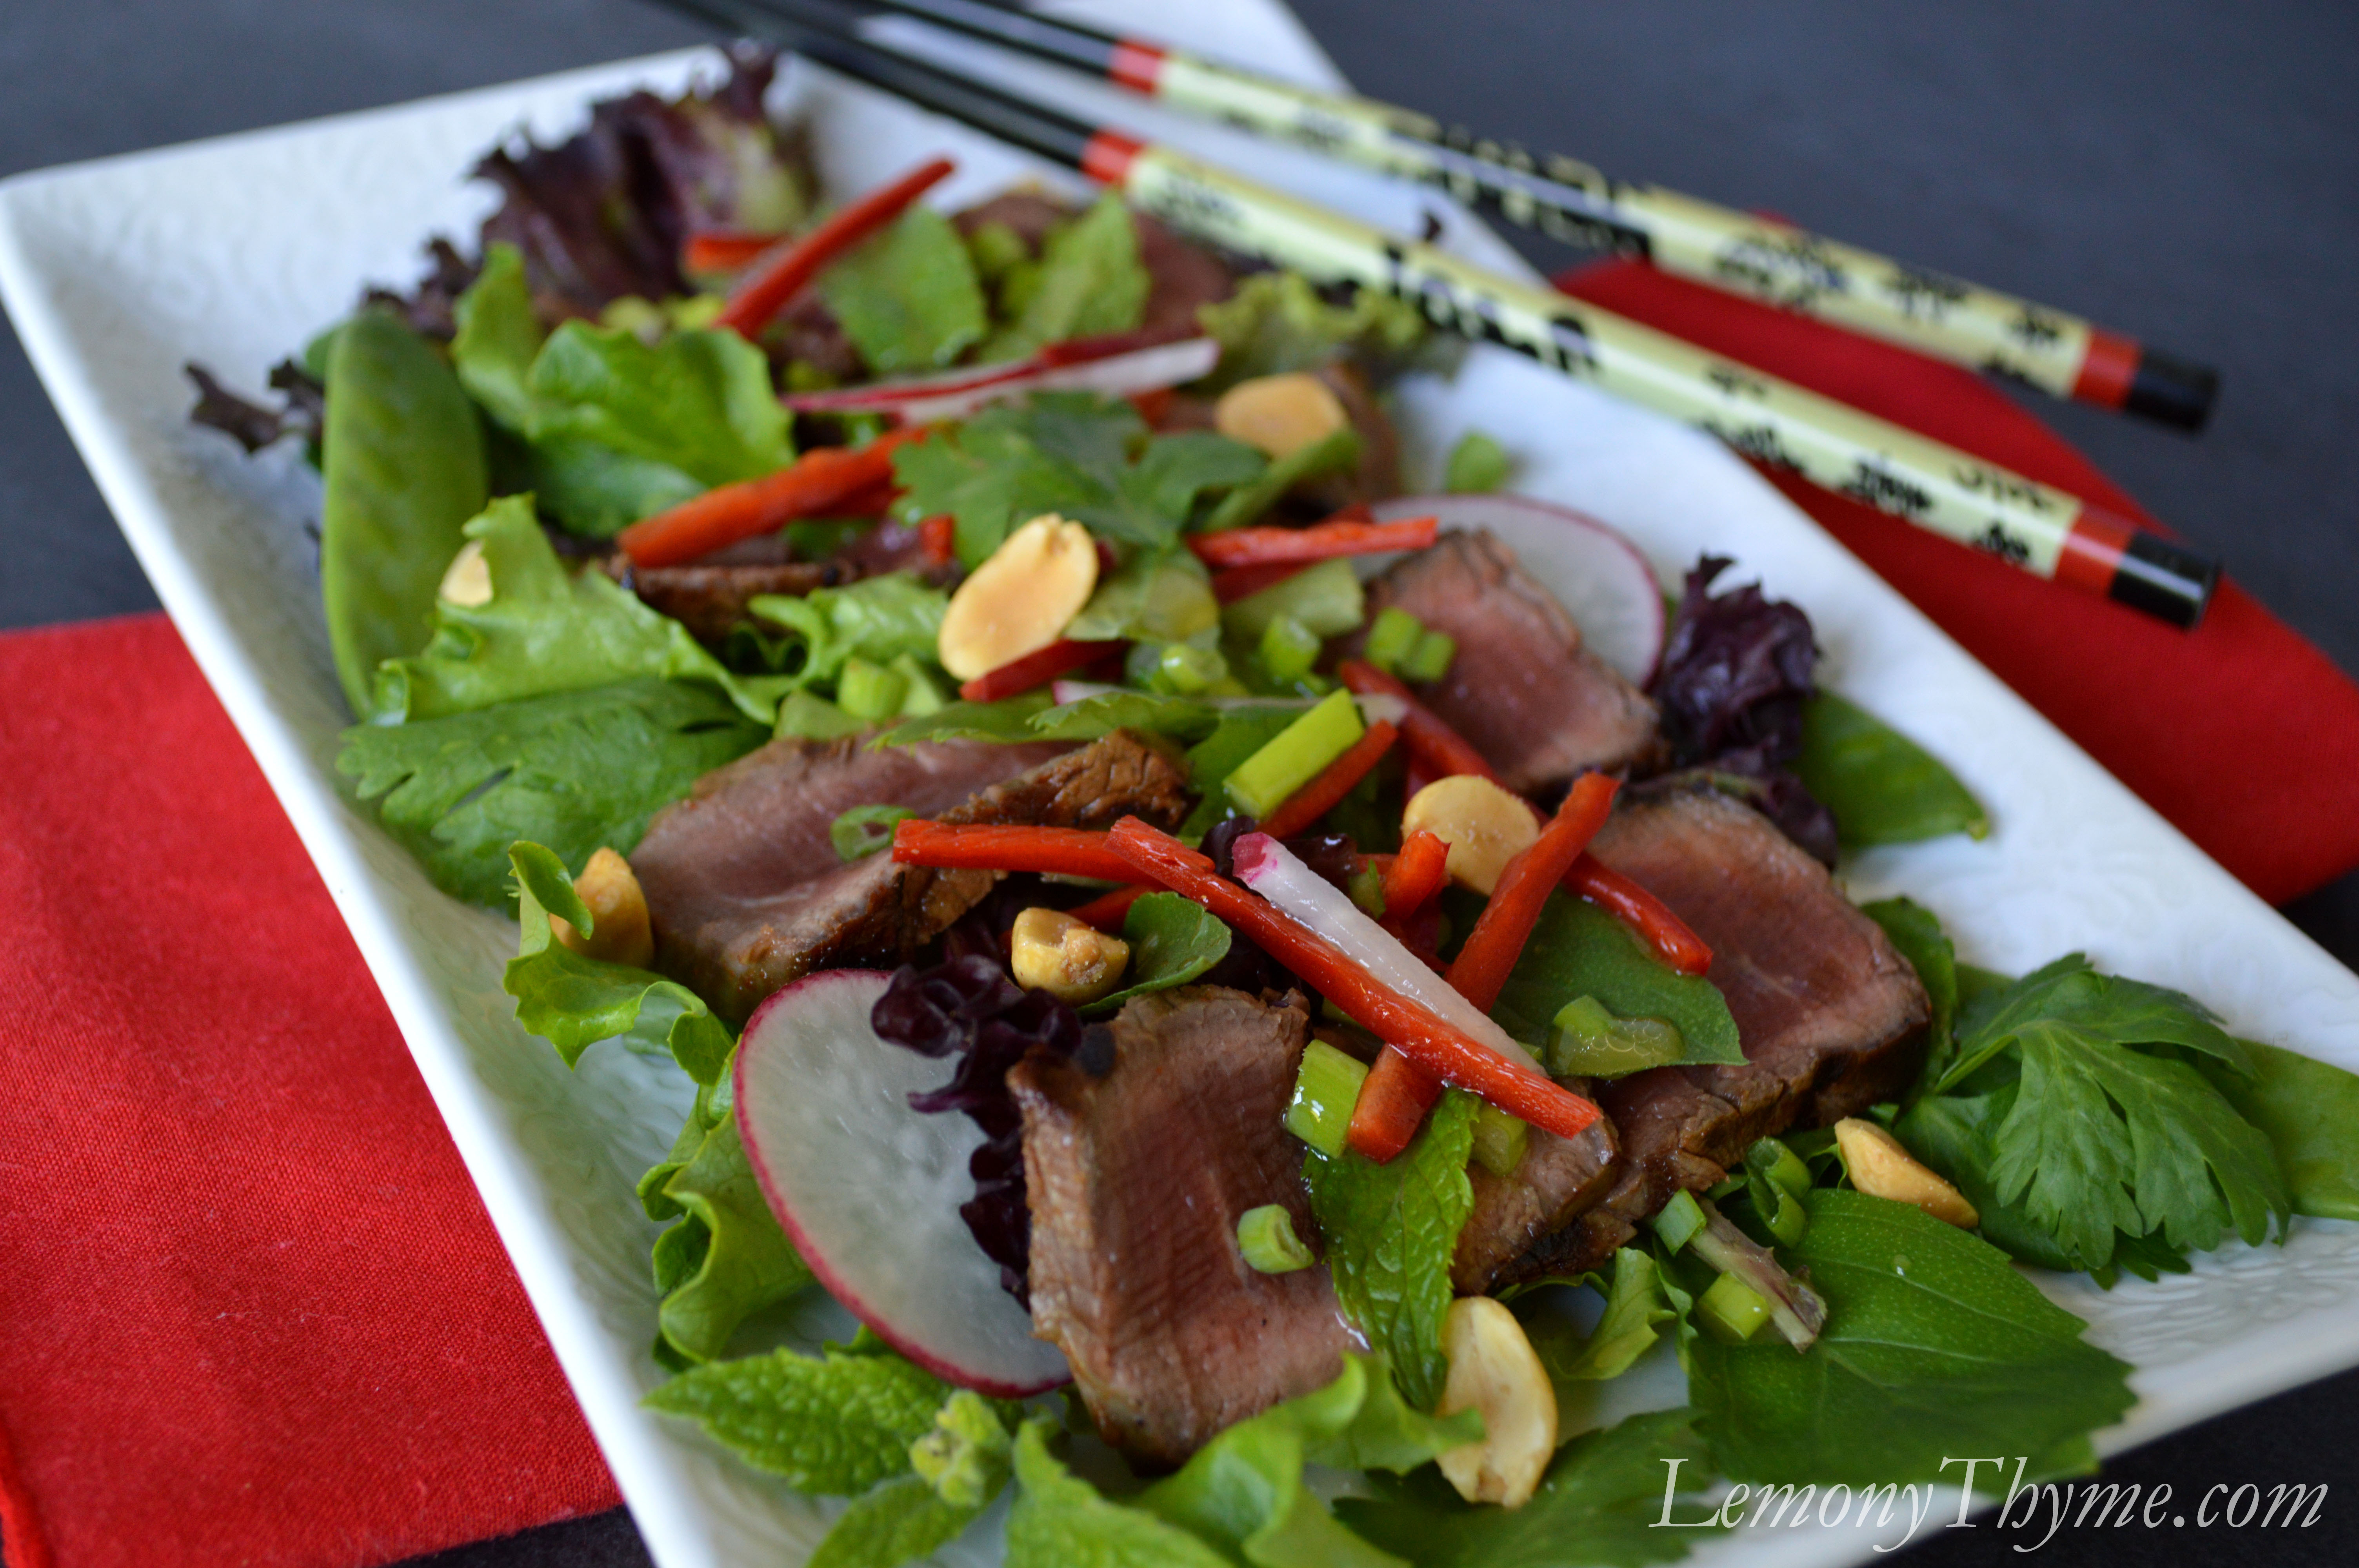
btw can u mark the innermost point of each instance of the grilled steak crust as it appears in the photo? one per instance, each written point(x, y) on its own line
point(1136, 1180)
point(746, 891)
point(1523, 688)
point(711, 600)
point(1559, 1177)
point(1831, 1016)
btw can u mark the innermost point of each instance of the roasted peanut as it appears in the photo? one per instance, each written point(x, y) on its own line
point(1280, 413)
point(467, 580)
point(620, 932)
point(1493, 1369)
point(1881, 1168)
point(1485, 825)
point(1071, 961)
point(1020, 601)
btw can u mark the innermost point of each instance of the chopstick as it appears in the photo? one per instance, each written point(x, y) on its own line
point(2055, 351)
point(2033, 526)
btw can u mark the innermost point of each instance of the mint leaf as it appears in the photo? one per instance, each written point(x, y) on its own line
point(1389, 1230)
point(545, 629)
point(1060, 1520)
point(1088, 281)
point(900, 1520)
point(573, 770)
point(573, 1001)
point(747, 1263)
point(1576, 951)
point(1173, 940)
point(1933, 1346)
point(907, 298)
point(2310, 1112)
point(835, 1423)
point(1601, 1503)
point(1883, 787)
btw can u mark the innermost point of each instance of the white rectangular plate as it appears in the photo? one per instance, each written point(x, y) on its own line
point(234, 252)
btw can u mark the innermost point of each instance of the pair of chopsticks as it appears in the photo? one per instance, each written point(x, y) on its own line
point(2033, 526)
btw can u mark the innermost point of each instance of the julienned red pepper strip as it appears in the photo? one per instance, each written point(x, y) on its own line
point(1003, 847)
point(724, 250)
point(1317, 799)
point(938, 539)
point(1483, 964)
point(1416, 874)
point(824, 481)
point(1036, 668)
point(1319, 541)
point(1442, 750)
point(761, 296)
point(1669, 936)
point(1393, 1099)
point(1426, 1040)
point(1243, 582)
point(1107, 910)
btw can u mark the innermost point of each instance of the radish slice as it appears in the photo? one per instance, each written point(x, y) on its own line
point(956, 395)
point(1599, 576)
point(1276, 872)
point(869, 1189)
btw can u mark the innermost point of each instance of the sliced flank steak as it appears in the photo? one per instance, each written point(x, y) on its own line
point(711, 599)
point(1135, 1176)
point(1832, 1017)
point(1558, 1178)
point(747, 892)
point(1523, 688)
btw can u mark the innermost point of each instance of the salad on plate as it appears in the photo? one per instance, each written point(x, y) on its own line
point(1260, 988)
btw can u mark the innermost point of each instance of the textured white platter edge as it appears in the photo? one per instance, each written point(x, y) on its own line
point(231, 251)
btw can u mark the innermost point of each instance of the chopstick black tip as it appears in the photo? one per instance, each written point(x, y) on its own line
point(2171, 391)
point(2167, 581)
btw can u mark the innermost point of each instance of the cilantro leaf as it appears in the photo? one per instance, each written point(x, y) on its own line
point(1882, 786)
point(835, 1423)
point(1389, 1232)
point(573, 770)
point(2101, 1007)
point(2309, 1111)
point(909, 297)
point(1933, 1346)
point(543, 629)
point(1172, 941)
point(1601, 1503)
point(1577, 950)
point(1088, 281)
point(1061, 1521)
point(898, 1521)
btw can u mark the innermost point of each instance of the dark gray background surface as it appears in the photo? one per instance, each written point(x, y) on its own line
point(2185, 173)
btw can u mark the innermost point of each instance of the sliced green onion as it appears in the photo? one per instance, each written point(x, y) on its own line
point(1289, 649)
point(870, 692)
point(1178, 669)
point(1266, 1237)
point(1326, 1086)
point(1780, 1210)
point(1477, 465)
point(1732, 1311)
point(1680, 1221)
point(1500, 1139)
point(1429, 660)
point(864, 829)
point(1393, 635)
point(924, 696)
point(1589, 1042)
point(1366, 888)
point(807, 717)
point(1722, 1191)
point(1295, 754)
point(1327, 597)
point(1772, 1159)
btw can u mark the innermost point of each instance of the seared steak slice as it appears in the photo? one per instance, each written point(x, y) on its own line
point(746, 891)
point(1558, 1178)
point(1831, 1016)
point(711, 600)
point(1523, 688)
point(1136, 1180)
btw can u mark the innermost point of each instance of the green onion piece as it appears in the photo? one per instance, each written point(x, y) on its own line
point(864, 829)
point(1294, 757)
point(1720, 1192)
point(869, 691)
point(924, 696)
point(1326, 1086)
point(1500, 1139)
point(1181, 669)
point(1780, 1210)
point(1732, 1311)
point(1289, 649)
point(1266, 1237)
point(1429, 660)
point(1477, 466)
point(1247, 502)
point(1365, 887)
point(1392, 636)
point(1771, 1159)
point(1588, 1040)
point(808, 717)
point(1682, 1220)
point(1327, 597)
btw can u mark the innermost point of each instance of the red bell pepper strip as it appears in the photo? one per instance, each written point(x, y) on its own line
point(1483, 964)
point(1243, 582)
point(1107, 910)
point(1393, 1099)
point(938, 539)
point(1669, 936)
point(724, 250)
point(825, 482)
point(1002, 847)
point(1440, 749)
point(1417, 874)
point(1036, 668)
point(1429, 1042)
point(1317, 799)
point(1319, 541)
point(754, 302)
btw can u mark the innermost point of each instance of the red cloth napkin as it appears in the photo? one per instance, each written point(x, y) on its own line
point(2241, 732)
point(254, 1312)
